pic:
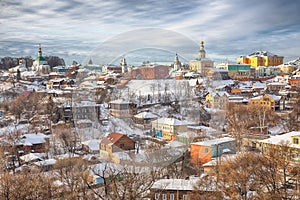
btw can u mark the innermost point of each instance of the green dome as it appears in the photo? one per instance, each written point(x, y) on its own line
point(40, 58)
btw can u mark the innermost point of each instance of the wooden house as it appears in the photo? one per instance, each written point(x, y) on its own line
point(115, 142)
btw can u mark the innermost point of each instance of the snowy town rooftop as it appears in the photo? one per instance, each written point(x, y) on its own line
point(282, 139)
point(214, 141)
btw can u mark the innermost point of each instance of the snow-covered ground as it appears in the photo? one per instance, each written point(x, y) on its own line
point(145, 87)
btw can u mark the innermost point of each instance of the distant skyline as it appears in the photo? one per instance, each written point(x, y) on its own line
point(73, 29)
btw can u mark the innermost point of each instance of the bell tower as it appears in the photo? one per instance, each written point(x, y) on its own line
point(177, 63)
point(40, 51)
point(202, 51)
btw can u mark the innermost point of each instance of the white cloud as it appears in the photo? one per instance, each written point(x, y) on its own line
point(229, 27)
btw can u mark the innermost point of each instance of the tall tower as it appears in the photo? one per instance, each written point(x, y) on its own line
point(40, 51)
point(177, 63)
point(40, 64)
point(123, 64)
point(201, 51)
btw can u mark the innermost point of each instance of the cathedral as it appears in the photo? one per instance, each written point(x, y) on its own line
point(201, 64)
point(40, 65)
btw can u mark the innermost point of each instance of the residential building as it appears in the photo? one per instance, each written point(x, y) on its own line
point(112, 69)
point(178, 189)
point(217, 99)
point(189, 137)
point(167, 128)
point(270, 101)
point(114, 143)
point(294, 81)
point(261, 58)
point(217, 74)
point(275, 87)
point(263, 71)
point(149, 72)
point(76, 111)
point(143, 120)
point(249, 141)
point(202, 152)
point(122, 109)
point(236, 70)
point(91, 146)
point(211, 168)
point(21, 67)
point(37, 143)
point(289, 140)
point(287, 68)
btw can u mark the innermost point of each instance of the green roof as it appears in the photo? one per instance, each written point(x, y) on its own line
point(40, 58)
point(201, 50)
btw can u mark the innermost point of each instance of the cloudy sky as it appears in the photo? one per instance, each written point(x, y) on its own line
point(73, 29)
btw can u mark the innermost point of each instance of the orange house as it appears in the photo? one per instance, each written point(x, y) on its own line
point(203, 152)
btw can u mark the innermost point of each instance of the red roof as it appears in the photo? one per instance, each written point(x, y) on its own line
point(112, 138)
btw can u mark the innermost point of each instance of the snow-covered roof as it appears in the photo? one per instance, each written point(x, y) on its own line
point(275, 97)
point(282, 139)
point(93, 145)
point(31, 139)
point(259, 85)
point(178, 184)
point(46, 162)
point(145, 115)
point(119, 101)
point(187, 134)
point(214, 141)
point(170, 121)
point(84, 121)
point(224, 158)
point(277, 83)
point(175, 144)
point(262, 53)
point(67, 155)
point(279, 129)
point(32, 157)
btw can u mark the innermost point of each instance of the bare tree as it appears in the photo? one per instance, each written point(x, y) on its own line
point(262, 115)
point(237, 121)
point(27, 186)
point(70, 172)
point(123, 182)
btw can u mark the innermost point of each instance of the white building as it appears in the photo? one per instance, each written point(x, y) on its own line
point(40, 64)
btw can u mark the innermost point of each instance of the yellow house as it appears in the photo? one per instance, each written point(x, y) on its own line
point(167, 128)
point(261, 58)
point(217, 99)
point(289, 140)
point(288, 69)
point(115, 143)
point(270, 101)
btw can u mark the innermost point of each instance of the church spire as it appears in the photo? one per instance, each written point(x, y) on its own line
point(40, 51)
point(202, 51)
point(177, 63)
point(123, 64)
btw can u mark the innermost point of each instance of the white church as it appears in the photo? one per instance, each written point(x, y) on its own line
point(40, 65)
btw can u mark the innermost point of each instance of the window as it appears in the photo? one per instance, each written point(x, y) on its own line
point(164, 197)
point(206, 150)
point(172, 197)
point(156, 196)
point(295, 141)
point(184, 197)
